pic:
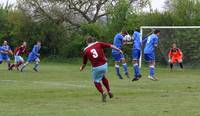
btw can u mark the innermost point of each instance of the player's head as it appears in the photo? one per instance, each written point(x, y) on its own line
point(138, 30)
point(24, 44)
point(157, 32)
point(124, 32)
point(89, 39)
point(39, 43)
point(5, 42)
point(174, 45)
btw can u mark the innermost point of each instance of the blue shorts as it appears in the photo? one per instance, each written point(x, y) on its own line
point(99, 72)
point(33, 58)
point(4, 57)
point(117, 56)
point(149, 57)
point(136, 54)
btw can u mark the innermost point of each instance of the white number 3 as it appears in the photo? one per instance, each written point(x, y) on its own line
point(94, 53)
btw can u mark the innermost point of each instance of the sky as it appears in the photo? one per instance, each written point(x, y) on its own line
point(156, 4)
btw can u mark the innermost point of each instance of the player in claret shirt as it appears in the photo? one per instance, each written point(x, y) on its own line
point(22, 49)
point(175, 55)
point(95, 54)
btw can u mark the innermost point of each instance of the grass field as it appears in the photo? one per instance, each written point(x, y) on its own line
point(61, 90)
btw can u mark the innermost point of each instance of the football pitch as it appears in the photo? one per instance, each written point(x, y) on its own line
point(62, 90)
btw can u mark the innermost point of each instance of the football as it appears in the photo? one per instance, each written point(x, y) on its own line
point(127, 38)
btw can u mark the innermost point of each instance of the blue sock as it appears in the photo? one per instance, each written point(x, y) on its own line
point(125, 67)
point(152, 71)
point(117, 68)
point(136, 69)
point(36, 66)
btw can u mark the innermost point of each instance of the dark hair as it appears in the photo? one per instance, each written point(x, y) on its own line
point(39, 42)
point(89, 39)
point(138, 30)
point(156, 31)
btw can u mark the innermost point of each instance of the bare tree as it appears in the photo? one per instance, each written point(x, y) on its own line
point(70, 12)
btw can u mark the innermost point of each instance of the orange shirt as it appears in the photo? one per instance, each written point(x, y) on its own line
point(175, 53)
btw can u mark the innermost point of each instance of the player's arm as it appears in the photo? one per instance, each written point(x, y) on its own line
point(103, 45)
point(115, 48)
point(85, 59)
point(180, 52)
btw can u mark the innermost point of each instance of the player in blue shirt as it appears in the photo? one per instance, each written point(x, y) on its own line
point(119, 57)
point(5, 50)
point(33, 57)
point(136, 52)
point(149, 52)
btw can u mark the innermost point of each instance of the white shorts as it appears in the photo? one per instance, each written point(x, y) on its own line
point(18, 59)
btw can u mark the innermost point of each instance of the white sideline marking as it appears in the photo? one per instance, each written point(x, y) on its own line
point(49, 83)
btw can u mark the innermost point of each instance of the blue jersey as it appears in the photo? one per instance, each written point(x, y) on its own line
point(35, 50)
point(118, 42)
point(152, 40)
point(5, 48)
point(136, 40)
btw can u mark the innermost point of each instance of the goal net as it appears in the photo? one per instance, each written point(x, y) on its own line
point(187, 39)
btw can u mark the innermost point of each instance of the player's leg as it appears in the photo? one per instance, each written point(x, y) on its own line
point(24, 66)
point(107, 86)
point(29, 60)
point(124, 64)
point(180, 61)
point(135, 61)
point(172, 62)
point(150, 58)
point(97, 74)
point(35, 68)
point(19, 62)
point(171, 65)
point(7, 59)
point(117, 64)
point(152, 70)
point(15, 63)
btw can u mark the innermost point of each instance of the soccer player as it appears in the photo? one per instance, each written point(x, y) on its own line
point(136, 52)
point(149, 52)
point(175, 55)
point(18, 58)
point(5, 50)
point(119, 57)
point(94, 52)
point(33, 57)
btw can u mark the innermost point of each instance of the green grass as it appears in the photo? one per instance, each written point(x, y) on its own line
point(61, 90)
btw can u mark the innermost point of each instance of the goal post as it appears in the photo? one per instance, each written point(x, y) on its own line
point(161, 27)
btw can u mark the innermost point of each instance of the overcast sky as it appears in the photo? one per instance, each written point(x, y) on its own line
point(156, 4)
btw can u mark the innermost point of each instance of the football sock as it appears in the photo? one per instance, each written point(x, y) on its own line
point(23, 67)
point(8, 63)
point(99, 87)
point(36, 66)
point(117, 68)
point(106, 84)
point(125, 67)
point(12, 66)
point(136, 69)
point(18, 64)
point(171, 65)
point(152, 71)
point(181, 65)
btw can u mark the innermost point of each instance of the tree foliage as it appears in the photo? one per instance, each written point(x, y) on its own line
point(62, 24)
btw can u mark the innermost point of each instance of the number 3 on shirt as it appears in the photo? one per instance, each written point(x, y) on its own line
point(94, 53)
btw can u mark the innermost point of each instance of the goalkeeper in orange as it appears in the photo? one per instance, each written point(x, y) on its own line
point(175, 55)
